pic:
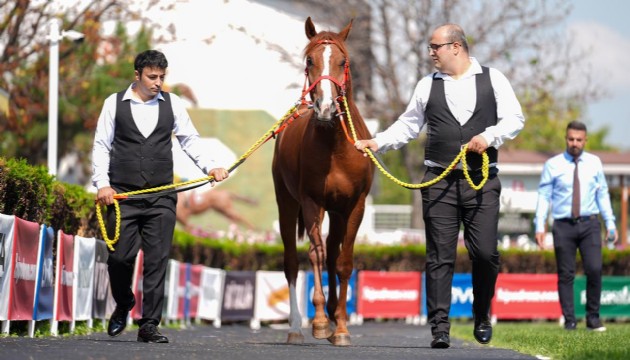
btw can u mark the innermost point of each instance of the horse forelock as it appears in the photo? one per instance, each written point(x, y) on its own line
point(326, 36)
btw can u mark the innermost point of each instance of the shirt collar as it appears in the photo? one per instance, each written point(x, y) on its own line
point(474, 69)
point(129, 95)
point(569, 157)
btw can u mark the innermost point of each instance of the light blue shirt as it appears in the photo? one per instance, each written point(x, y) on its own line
point(556, 189)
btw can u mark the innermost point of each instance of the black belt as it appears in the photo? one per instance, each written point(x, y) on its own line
point(578, 219)
point(457, 173)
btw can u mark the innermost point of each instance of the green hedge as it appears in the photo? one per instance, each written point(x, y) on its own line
point(226, 254)
point(30, 193)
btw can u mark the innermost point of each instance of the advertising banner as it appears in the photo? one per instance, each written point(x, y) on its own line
point(211, 294)
point(351, 299)
point(461, 296)
point(7, 225)
point(194, 289)
point(64, 277)
point(26, 244)
point(272, 295)
point(388, 294)
point(615, 298)
point(44, 284)
point(183, 290)
point(238, 295)
point(102, 292)
point(171, 285)
point(526, 296)
point(84, 280)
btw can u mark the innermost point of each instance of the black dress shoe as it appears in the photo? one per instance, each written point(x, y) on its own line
point(441, 340)
point(149, 333)
point(118, 320)
point(483, 330)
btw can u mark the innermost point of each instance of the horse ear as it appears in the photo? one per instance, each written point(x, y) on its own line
point(310, 28)
point(344, 33)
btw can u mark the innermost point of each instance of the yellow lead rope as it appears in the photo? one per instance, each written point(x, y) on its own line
point(485, 166)
point(460, 157)
point(110, 242)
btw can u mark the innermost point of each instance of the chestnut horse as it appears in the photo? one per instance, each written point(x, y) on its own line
point(317, 170)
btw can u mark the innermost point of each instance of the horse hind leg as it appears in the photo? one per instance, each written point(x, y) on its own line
point(295, 335)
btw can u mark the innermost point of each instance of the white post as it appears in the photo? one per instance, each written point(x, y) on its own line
point(53, 88)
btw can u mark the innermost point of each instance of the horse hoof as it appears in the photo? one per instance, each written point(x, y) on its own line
point(321, 331)
point(340, 340)
point(295, 338)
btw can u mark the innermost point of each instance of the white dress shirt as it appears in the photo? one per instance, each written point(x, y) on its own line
point(145, 115)
point(461, 97)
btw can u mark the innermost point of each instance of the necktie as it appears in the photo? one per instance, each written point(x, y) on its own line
point(575, 205)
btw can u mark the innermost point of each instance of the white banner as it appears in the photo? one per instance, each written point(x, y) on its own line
point(211, 294)
point(84, 252)
point(272, 295)
point(7, 224)
point(172, 282)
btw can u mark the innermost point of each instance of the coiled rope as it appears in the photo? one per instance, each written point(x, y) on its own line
point(485, 166)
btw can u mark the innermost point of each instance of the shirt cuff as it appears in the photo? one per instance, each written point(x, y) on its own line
point(102, 183)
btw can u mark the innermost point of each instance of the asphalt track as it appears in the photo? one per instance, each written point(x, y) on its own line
point(371, 340)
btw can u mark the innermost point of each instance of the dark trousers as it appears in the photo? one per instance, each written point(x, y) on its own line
point(567, 238)
point(446, 206)
point(148, 225)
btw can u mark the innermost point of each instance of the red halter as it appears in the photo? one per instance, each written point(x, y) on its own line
point(342, 84)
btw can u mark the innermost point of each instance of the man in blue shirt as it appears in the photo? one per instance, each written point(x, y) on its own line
point(574, 184)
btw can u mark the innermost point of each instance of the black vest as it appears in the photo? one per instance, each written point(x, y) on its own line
point(137, 162)
point(445, 135)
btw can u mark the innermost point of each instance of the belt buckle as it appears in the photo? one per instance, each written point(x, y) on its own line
point(580, 219)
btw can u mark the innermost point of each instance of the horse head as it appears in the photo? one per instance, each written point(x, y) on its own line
point(327, 70)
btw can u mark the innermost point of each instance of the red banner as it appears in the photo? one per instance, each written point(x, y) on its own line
point(194, 289)
point(526, 296)
point(25, 249)
point(388, 294)
point(64, 277)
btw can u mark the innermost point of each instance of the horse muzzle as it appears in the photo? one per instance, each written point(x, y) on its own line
point(325, 111)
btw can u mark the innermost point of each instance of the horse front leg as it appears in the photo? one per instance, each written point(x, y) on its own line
point(317, 256)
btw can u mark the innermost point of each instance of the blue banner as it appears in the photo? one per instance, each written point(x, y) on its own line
point(44, 286)
point(461, 296)
point(351, 299)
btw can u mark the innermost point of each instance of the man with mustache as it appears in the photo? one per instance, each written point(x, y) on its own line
point(133, 151)
point(573, 183)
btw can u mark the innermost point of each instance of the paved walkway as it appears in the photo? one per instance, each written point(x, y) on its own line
point(378, 341)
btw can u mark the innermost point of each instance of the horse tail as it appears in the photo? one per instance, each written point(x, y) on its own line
point(301, 227)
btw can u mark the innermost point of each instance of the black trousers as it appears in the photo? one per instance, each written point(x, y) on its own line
point(567, 238)
point(447, 205)
point(146, 224)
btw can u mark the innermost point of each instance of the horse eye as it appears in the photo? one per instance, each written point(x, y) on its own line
point(309, 62)
point(343, 63)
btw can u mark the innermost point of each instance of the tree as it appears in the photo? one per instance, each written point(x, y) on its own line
point(520, 38)
point(88, 70)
